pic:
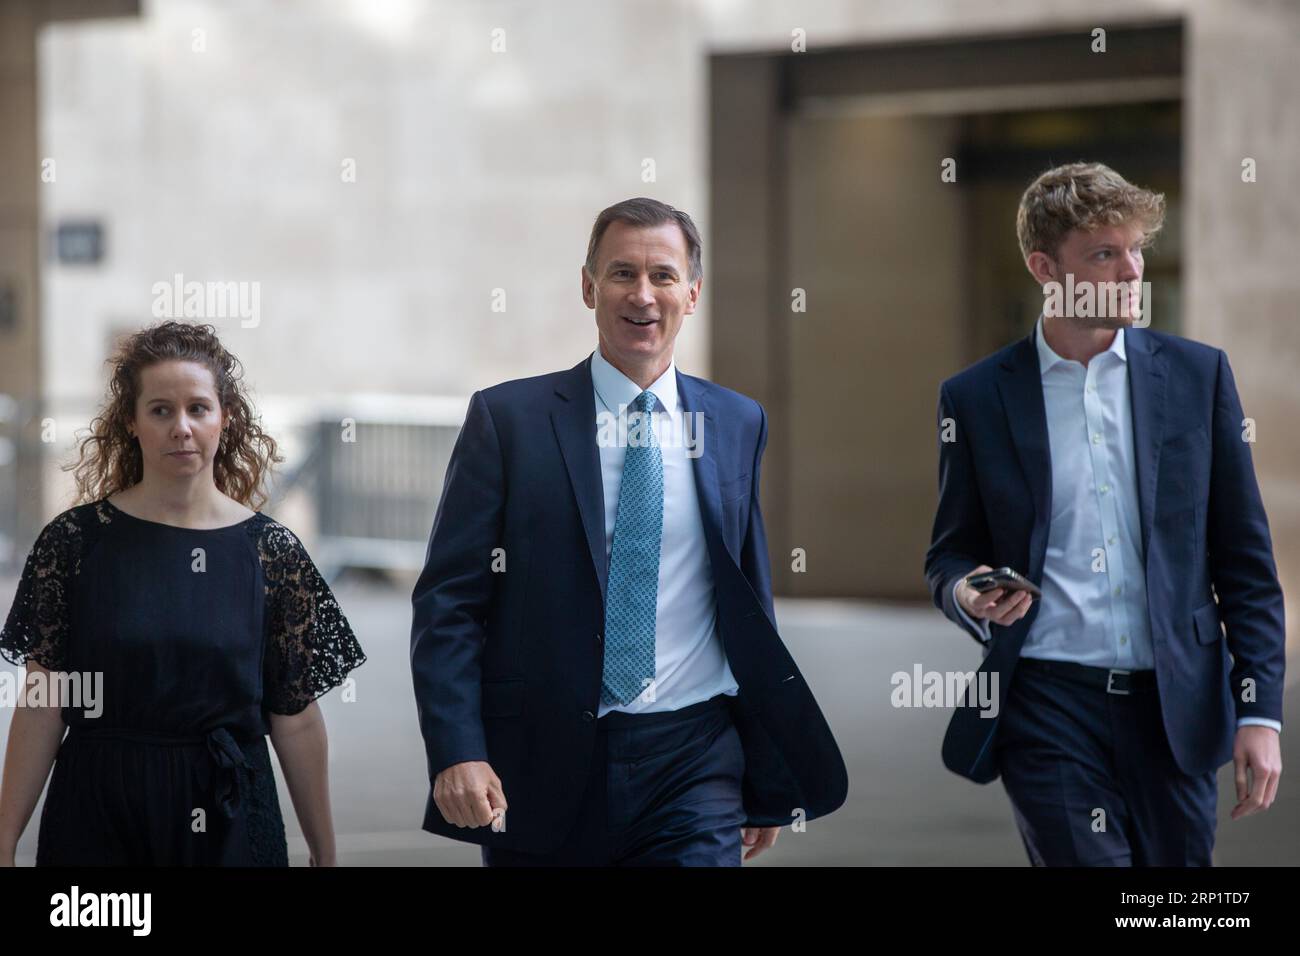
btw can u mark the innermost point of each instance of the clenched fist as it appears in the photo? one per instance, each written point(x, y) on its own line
point(469, 794)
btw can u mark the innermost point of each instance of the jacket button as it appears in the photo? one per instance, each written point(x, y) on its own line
point(599, 637)
point(588, 716)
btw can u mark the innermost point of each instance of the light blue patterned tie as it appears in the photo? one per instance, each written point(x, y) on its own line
point(633, 587)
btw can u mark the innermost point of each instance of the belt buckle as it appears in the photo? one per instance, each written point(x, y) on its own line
point(1110, 682)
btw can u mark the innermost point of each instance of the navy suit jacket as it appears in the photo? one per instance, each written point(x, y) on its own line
point(1204, 533)
point(507, 664)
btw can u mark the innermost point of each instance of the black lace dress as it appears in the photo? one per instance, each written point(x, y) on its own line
point(197, 637)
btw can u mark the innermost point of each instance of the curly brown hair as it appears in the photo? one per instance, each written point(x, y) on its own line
point(1083, 196)
point(110, 458)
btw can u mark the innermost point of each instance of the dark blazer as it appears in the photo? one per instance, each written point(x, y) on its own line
point(507, 666)
point(1204, 533)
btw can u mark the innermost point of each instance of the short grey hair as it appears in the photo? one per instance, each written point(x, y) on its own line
point(646, 212)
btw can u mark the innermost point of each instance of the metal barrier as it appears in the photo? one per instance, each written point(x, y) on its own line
point(376, 486)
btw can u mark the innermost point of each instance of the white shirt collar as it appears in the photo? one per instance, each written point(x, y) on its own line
point(615, 389)
point(1047, 357)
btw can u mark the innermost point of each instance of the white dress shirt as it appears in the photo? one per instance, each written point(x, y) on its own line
point(1094, 604)
point(690, 663)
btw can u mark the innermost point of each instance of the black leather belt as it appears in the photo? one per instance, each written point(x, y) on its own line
point(1112, 680)
point(621, 719)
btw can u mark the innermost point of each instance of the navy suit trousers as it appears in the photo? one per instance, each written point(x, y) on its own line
point(664, 790)
point(1092, 780)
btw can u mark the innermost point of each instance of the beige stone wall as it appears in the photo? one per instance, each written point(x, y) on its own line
point(475, 171)
point(18, 193)
point(479, 170)
point(1243, 239)
point(20, 343)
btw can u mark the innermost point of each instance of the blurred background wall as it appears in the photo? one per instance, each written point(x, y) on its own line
point(410, 184)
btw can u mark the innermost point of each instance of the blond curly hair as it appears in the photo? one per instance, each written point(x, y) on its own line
point(1082, 196)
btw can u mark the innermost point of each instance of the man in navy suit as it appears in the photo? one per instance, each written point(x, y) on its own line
point(1111, 466)
point(597, 668)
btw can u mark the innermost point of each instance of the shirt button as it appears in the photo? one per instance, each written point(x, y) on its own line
point(1096, 438)
point(1119, 589)
point(1092, 388)
point(1111, 539)
point(1105, 488)
point(1123, 638)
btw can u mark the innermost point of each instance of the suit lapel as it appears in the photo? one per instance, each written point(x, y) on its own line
point(1146, 384)
point(695, 399)
point(1020, 387)
point(574, 421)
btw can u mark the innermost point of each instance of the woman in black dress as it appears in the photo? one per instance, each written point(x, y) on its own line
point(197, 626)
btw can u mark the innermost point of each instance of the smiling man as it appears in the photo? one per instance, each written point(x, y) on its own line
point(597, 668)
point(1108, 464)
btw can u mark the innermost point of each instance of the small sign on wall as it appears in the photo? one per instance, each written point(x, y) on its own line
point(79, 242)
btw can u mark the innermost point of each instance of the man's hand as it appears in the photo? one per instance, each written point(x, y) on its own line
point(469, 794)
point(990, 605)
point(1258, 749)
point(758, 839)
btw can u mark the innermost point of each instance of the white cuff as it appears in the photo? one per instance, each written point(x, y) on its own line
point(1261, 721)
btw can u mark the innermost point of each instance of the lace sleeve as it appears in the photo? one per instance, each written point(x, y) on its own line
point(37, 626)
point(310, 645)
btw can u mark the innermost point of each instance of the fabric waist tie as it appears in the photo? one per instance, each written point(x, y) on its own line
point(224, 751)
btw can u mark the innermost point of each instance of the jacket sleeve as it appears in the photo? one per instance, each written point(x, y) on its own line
point(1241, 561)
point(960, 538)
point(452, 595)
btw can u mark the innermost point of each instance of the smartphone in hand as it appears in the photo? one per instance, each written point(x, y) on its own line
point(1004, 578)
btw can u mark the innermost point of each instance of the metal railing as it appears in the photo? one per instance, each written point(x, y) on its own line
point(375, 487)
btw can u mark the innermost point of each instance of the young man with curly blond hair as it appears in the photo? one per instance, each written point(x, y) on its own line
point(1108, 465)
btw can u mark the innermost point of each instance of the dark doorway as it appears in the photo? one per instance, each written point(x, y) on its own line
point(827, 194)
